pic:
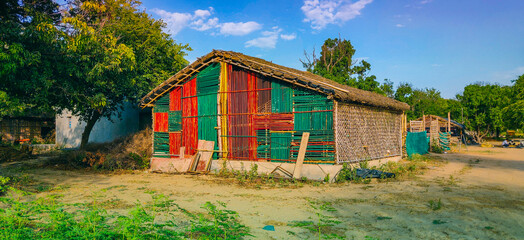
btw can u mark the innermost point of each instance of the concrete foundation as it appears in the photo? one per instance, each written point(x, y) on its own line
point(310, 171)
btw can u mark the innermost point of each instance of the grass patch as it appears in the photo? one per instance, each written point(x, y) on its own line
point(47, 218)
point(252, 179)
point(322, 225)
point(435, 205)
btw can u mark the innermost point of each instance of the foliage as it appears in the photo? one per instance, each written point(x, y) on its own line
point(483, 108)
point(3, 185)
point(514, 112)
point(323, 220)
point(435, 205)
point(336, 63)
point(436, 147)
point(219, 223)
point(117, 53)
point(47, 218)
point(422, 101)
point(30, 54)
point(90, 58)
point(348, 173)
point(416, 164)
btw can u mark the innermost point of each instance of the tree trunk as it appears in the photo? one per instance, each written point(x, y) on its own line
point(87, 130)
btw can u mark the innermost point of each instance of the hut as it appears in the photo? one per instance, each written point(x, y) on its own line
point(256, 111)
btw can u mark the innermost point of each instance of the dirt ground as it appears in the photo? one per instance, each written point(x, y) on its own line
point(481, 192)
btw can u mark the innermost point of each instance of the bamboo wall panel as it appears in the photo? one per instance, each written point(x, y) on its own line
point(314, 114)
point(174, 121)
point(207, 91)
point(162, 104)
point(366, 133)
point(224, 104)
point(161, 122)
point(190, 116)
point(238, 114)
point(161, 144)
point(175, 142)
point(175, 99)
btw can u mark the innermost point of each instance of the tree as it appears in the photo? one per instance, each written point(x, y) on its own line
point(387, 88)
point(404, 91)
point(483, 108)
point(422, 101)
point(336, 63)
point(29, 55)
point(116, 53)
point(514, 112)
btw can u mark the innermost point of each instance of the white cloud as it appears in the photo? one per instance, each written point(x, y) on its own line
point(203, 25)
point(201, 20)
point(288, 36)
point(425, 1)
point(175, 21)
point(268, 40)
point(399, 25)
point(239, 28)
point(511, 74)
point(323, 12)
point(204, 13)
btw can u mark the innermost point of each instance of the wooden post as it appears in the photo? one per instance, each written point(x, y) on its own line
point(297, 172)
point(423, 122)
point(449, 122)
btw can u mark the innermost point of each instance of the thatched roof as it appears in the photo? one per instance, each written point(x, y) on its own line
point(293, 76)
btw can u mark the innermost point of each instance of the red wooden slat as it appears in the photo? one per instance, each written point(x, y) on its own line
point(175, 142)
point(175, 99)
point(189, 121)
point(160, 122)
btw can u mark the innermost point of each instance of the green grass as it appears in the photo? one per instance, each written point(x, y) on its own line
point(322, 225)
point(47, 218)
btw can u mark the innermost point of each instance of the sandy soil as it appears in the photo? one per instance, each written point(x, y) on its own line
point(481, 190)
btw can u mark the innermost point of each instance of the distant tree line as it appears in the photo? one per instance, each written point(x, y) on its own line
point(86, 56)
point(485, 109)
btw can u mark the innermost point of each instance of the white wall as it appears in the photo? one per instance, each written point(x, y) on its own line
point(69, 128)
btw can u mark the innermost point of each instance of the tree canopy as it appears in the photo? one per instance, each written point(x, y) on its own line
point(90, 58)
point(336, 62)
point(30, 56)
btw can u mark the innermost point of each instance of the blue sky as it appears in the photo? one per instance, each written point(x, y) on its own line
point(429, 43)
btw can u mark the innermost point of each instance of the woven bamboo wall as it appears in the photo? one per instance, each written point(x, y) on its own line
point(366, 133)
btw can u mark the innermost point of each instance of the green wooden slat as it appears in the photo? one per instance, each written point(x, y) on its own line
point(175, 121)
point(281, 95)
point(207, 92)
point(161, 142)
point(280, 145)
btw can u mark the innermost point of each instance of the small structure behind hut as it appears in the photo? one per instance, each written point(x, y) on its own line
point(33, 128)
point(435, 125)
point(255, 111)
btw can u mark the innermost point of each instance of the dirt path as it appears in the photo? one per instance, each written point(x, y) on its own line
point(481, 195)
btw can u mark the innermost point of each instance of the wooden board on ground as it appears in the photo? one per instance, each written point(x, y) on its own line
point(297, 172)
point(196, 157)
point(206, 153)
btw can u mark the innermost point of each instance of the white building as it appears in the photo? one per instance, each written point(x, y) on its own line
point(69, 128)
